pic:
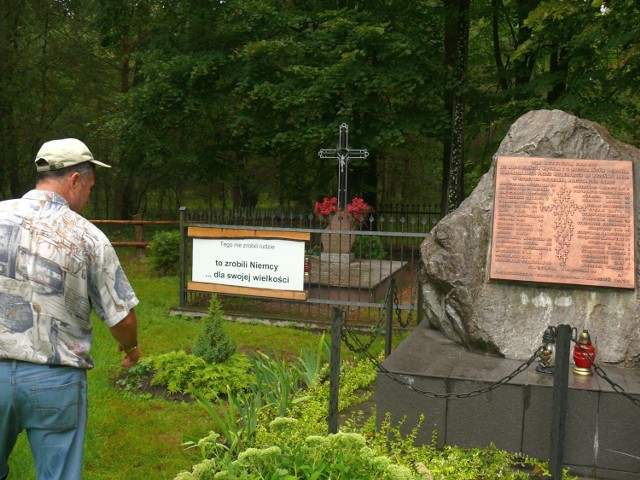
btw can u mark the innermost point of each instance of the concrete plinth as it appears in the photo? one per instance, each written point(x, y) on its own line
point(362, 280)
point(338, 257)
point(601, 439)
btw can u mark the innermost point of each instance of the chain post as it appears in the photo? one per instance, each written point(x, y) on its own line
point(389, 308)
point(560, 393)
point(420, 306)
point(334, 369)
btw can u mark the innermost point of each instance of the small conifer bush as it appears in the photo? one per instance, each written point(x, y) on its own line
point(213, 344)
point(369, 247)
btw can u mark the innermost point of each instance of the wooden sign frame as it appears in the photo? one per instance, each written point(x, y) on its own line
point(240, 233)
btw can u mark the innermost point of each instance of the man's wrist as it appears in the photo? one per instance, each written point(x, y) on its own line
point(131, 349)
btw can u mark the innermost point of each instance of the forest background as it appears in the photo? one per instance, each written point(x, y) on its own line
point(226, 103)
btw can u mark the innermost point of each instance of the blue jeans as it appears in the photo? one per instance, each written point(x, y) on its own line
point(50, 403)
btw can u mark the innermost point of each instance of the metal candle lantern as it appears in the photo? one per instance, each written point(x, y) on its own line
point(547, 357)
point(584, 353)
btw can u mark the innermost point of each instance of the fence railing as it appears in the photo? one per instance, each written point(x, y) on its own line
point(417, 218)
point(393, 218)
point(140, 242)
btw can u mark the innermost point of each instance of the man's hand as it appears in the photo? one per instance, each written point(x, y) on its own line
point(132, 356)
point(125, 333)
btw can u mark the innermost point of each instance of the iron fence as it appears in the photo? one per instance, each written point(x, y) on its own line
point(381, 247)
point(393, 218)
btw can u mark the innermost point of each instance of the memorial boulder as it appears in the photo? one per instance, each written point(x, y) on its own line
point(553, 244)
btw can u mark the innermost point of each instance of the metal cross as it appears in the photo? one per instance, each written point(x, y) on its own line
point(343, 154)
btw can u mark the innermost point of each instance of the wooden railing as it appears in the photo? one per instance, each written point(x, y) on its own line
point(139, 241)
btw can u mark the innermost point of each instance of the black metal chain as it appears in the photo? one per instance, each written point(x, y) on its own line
point(452, 396)
point(346, 332)
point(357, 346)
point(396, 302)
point(602, 374)
point(427, 393)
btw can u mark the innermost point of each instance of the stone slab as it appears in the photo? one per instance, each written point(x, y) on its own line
point(581, 427)
point(618, 445)
point(434, 409)
point(364, 280)
point(537, 422)
point(338, 257)
point(612, 474)
point(364, 273)
point(478, 421)
point(485, 368)
point(424, 350)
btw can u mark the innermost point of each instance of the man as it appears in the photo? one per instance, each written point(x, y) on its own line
point(55, 266)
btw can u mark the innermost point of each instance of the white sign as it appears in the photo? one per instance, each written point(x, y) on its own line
point(254, 262)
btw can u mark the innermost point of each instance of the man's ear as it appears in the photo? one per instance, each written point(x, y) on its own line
point(75, 178)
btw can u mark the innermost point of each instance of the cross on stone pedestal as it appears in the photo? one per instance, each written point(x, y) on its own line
point(343, 154)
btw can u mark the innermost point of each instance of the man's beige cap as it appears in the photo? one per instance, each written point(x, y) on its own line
point(63, 153)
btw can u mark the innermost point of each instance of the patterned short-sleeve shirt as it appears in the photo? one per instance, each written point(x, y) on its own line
point(55, 266)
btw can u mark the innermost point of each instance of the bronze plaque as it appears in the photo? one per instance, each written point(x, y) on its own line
point(565, 221)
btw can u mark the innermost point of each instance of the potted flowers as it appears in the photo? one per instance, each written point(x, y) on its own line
point(337, 245)
point(357, 209)
point(328, 207)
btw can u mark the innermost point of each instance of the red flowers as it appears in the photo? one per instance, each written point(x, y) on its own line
point(358, 208)
point(327, 207)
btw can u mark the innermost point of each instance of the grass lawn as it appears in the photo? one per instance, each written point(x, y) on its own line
point(132, 438)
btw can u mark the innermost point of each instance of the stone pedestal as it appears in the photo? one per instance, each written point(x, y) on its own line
point(336, 246)
point(601, 425)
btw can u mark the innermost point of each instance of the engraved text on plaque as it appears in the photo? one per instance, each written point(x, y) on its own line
point(566, 221)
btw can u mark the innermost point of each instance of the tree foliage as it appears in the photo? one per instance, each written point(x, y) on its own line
point(227, 103)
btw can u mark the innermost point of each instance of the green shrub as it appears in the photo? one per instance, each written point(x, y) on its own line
point(366, 246)
point(164, 251)
point(180, 372)
point(213, 344)
point(339, 456)
point(133, 380)
point(276, 380)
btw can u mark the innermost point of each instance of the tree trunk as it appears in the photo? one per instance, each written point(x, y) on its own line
point(450, 47)
point(559, 69)
point(10, 29)
point(524, 67)
point(496, 6)
point(456, 34)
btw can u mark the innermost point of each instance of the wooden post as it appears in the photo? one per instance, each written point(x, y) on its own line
point(183, 257)
point(139, 234)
